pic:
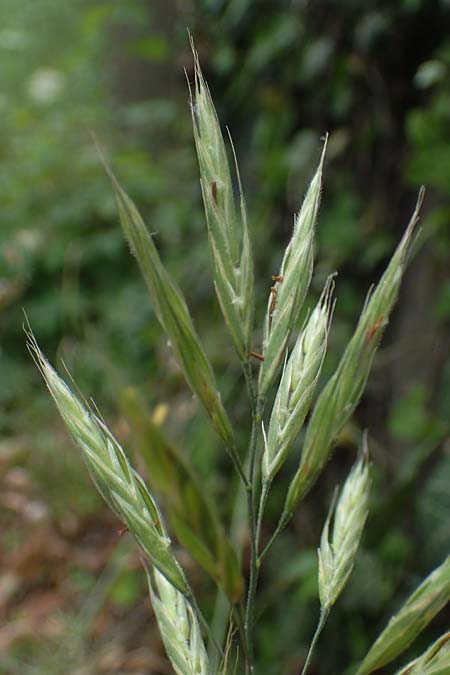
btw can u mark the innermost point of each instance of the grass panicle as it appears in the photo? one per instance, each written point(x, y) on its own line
point(337, 553)
point(341, 394)
point(193, 517)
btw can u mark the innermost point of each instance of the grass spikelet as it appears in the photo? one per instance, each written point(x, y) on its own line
point(227, 225)
point(173, 314)
point(192, 514)
point(341, 395)
point(118, 483)
point(178, 626)
point(435, 661)
point(297, 385)
point(337, 554)
point(294, 278)
point(417, 612)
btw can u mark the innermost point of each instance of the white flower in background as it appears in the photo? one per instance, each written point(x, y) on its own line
point(45, 85)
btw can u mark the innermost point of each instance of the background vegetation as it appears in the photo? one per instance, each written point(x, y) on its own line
point(376, 76)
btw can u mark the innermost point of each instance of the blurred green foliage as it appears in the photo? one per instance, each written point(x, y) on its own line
point(376, 76)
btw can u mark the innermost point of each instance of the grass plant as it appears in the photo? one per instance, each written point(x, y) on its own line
point(288, 366)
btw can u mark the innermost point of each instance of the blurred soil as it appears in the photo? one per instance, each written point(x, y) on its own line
point(72, 595)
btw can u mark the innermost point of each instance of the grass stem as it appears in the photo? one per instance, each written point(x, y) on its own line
point(280, 527)
point(250, 606)
point(322, 621)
